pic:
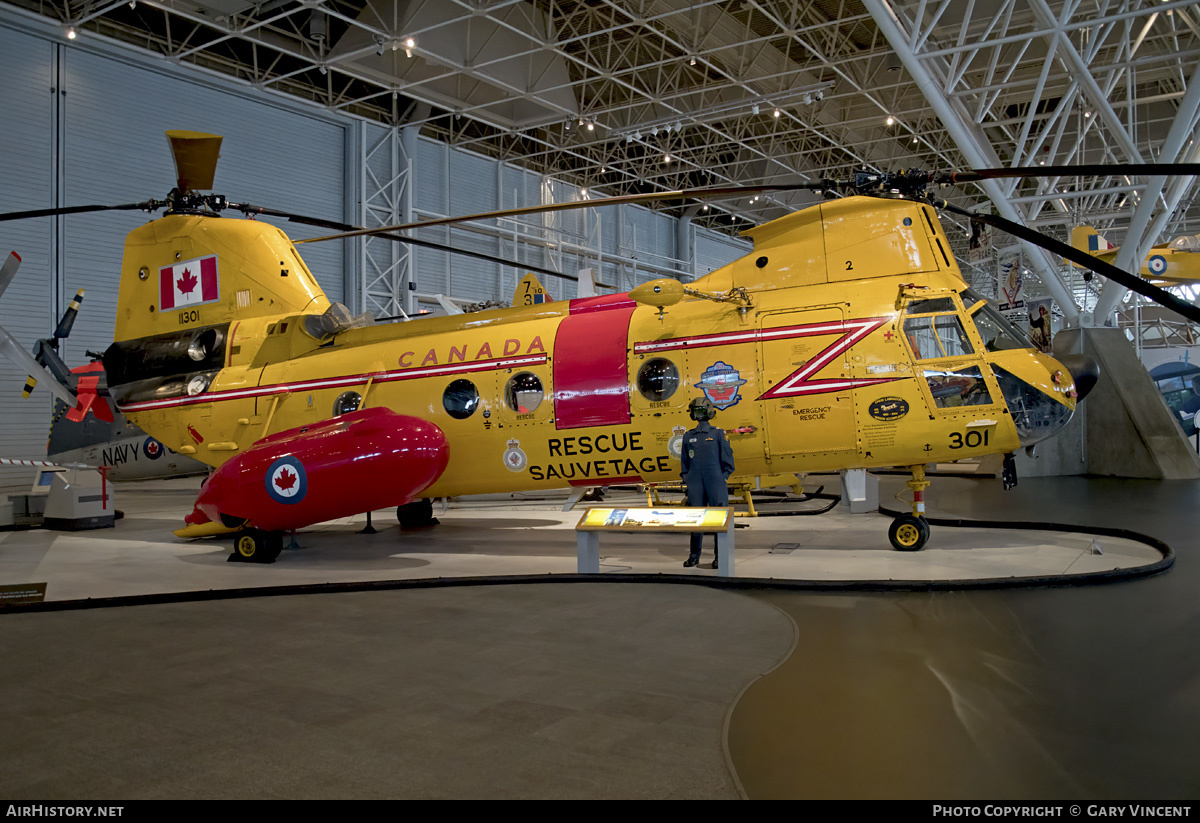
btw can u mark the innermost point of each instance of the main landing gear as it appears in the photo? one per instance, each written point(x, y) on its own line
point(256, 546)
point(416, 514)
point(910, 532)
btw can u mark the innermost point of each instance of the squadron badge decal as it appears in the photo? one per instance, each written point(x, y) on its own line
point(675, 444)
point(720, 383)
point(287, 481)
point(515, 459)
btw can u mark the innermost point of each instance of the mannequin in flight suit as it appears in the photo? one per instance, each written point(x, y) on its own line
point(707, 462)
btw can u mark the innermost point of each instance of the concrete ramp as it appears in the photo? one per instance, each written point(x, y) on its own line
point(1123, 428)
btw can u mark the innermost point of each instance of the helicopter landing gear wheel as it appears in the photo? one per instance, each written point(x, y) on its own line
point(908, 533)
point(257, 546)
point(416, 514)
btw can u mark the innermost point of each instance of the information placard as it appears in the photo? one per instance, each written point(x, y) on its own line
point(655, 519)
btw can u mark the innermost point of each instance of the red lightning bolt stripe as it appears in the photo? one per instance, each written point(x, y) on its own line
point(799, 383)
point(752, 336)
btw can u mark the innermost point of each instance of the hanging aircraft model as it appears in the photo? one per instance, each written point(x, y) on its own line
point(1173, 263)
point(846, 339)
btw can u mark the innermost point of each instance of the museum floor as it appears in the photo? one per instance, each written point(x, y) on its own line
point(616, 689)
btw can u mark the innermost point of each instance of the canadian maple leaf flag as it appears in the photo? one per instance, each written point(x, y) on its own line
point(189, 283)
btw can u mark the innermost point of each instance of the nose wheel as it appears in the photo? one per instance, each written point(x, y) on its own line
point(908, 533)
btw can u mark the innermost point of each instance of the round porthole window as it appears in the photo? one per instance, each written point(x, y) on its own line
point(460, 399)
point(524, 392)
point(346, 403)
point(658, 379)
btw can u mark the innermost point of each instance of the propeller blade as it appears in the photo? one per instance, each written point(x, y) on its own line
point(399, 238)
point(149, 205)
point(1129, 281)
point(196, 155)
point(9, 270)
point(1115, 169)
point(68, 318)
point(13, 350)
point(681, 194)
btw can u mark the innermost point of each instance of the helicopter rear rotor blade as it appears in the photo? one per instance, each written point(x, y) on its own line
point(149, 205)
point(399, 238)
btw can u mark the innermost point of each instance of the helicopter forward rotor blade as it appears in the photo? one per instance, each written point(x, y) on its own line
point(149, 205)
point(1130, 281)
point(681, 194)
point(399, 238)
point(1115, 169)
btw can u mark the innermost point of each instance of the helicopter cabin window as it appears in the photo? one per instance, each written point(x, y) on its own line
point(657, 379)
point(938, 335)
point(346, 403)
point(961, 387)
point(460, 399)
point(524, 392)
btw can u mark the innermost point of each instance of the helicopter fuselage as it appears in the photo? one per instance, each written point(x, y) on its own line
point(850, 346)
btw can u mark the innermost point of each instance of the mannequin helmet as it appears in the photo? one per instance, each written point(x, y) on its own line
point(701, 408)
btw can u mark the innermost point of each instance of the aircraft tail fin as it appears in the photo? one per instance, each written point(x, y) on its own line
point(1086, 238)
point(530, 291)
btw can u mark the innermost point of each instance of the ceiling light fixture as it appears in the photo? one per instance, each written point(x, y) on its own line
point(583, 192)
point(71, 33)
point(693, 61)
point(666, 158)
point(891, 120)
point(591, 126)
point(777, 113)
point(754, 109)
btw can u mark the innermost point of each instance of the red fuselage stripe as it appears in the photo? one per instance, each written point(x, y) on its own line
point(338, 382)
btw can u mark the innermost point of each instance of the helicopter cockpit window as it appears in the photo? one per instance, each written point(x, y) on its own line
point(997, 332)
point(962, 387)
point(658, 379)
point(939, 335)
point(460, 399)
point(524, 392)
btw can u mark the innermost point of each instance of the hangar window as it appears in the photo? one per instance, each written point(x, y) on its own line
point(346, 403)
point(658, 379)
point(460, 399)
point(524, 392)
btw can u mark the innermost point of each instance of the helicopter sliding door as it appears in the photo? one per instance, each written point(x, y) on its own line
point(808, 407)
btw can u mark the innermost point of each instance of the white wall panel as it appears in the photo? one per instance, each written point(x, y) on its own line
point(714, 250)
point(26, 182)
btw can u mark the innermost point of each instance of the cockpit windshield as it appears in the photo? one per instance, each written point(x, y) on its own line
point(997, 332)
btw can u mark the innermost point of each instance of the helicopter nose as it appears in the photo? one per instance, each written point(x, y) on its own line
point(1084, 369)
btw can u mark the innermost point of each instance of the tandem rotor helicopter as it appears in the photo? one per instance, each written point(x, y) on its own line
point(846, 339)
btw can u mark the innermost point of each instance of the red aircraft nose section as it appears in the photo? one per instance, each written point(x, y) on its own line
point(358, 462)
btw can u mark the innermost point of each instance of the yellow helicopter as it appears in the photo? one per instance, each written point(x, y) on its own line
point(846, 339)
